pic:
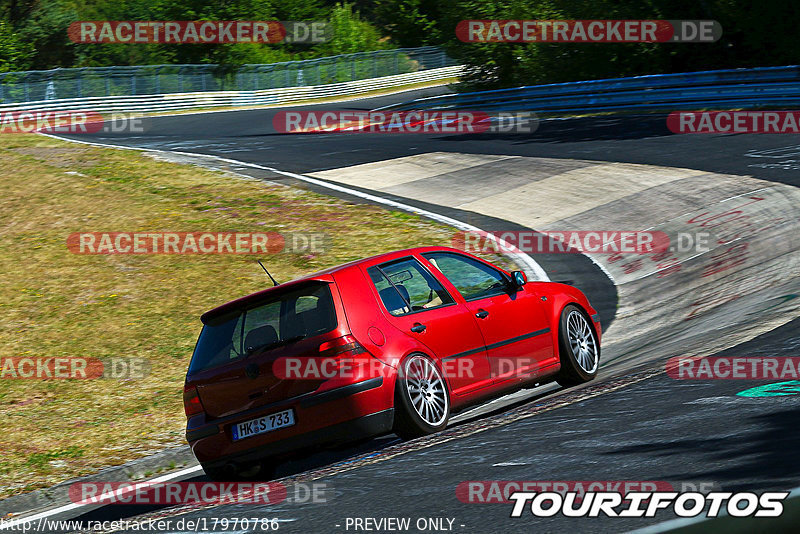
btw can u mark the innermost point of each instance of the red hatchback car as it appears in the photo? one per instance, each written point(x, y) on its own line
point(392, 343)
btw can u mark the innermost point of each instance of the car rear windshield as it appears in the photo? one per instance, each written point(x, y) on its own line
point(282, 319)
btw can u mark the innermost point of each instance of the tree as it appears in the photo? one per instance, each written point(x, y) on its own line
point(15, 54)
point(350, 33)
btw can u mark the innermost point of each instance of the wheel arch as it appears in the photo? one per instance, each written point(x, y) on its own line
point(561, 296)
point(416, 350)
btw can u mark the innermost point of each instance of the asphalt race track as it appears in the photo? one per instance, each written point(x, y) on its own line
point(633, 423)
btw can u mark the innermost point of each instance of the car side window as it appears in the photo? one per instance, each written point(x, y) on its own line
point(405, 286)
point(473, 279)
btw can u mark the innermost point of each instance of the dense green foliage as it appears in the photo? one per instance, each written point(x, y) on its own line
point(15, 54)
point(33, 34)
point(754, 34)
point(37, 29)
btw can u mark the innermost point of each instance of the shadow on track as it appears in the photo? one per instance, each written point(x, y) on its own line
point(337, 456)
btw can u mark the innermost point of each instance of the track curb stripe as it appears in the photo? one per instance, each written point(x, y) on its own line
point(529, 262)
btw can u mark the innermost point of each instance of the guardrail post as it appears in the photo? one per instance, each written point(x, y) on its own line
point(158, 81)
point(133, 83)
point(180, 79)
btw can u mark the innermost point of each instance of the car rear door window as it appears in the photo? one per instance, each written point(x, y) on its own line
point(404, 286)
point(473, 279)
point(303, 312)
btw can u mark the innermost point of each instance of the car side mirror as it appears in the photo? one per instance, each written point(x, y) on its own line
point(519, 278)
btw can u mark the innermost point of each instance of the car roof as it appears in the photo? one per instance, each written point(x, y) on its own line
point(382, 258)
point(325, 276)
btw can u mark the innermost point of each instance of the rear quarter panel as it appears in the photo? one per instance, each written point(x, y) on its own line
point(364, 316)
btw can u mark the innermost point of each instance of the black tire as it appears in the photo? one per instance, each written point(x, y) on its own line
point(218, 473)
point(578, 347)
point(261, 471)
point(420, 387)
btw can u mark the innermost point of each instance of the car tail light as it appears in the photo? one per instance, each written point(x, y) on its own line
point(341, 347)
point(191, 401)
point(345, 357)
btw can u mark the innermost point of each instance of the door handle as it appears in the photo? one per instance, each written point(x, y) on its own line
point(418, 328)
point(483, 314)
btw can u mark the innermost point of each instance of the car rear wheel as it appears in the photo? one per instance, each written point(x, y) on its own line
point(578, 348)
point(422, 401)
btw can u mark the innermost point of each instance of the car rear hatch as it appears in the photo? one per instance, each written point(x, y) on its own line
point(232, 365)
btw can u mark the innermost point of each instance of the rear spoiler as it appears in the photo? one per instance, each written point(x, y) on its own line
point(234, 307)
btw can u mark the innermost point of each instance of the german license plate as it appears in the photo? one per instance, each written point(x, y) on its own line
point(264, 424)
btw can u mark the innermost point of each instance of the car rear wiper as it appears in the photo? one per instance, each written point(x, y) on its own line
point(292, 339)
point(274, 344)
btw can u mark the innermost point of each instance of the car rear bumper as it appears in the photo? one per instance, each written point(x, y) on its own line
point(353, 430)
point(339, 415)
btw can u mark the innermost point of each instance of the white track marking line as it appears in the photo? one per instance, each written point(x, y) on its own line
point(5, 525)
point(530, 262)
point(525, 258)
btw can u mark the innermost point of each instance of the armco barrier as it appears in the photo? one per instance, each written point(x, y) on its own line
point(95, 82)
point(182, 101)
point(732, 88)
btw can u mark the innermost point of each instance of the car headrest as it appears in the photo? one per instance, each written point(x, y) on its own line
point(313, 321)
point(258, 337)
point(392, 299)
point(404, 292)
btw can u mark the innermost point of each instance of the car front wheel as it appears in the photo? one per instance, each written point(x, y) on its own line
point(578, 348)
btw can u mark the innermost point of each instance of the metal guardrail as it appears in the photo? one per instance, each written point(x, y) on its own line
point(184, 101)
point(736, 88)
point(95, 82)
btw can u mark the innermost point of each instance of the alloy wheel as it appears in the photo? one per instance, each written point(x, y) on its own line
point(426, 389)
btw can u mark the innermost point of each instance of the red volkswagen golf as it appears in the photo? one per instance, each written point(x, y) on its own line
point(392, 343)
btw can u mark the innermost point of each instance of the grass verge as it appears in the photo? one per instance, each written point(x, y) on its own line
point(55, 303)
